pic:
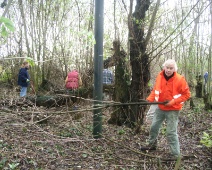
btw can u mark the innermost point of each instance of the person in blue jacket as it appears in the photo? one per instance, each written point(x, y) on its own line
point(206, 77)
point(108, 77)
point(24, 78)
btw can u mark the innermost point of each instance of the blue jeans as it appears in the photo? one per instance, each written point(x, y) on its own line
point(23, 91)
point(171, 129)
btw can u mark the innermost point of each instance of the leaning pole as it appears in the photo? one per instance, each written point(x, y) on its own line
point(98, 67)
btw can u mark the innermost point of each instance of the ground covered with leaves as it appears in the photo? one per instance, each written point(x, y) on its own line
point(60, 138)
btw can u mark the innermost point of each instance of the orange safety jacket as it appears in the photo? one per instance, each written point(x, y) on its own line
point(175, 88)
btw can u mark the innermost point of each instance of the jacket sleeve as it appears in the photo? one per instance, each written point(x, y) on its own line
point(151, 97)
point(184, 91)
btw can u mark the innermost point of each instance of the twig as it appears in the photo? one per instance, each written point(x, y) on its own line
point(133, 150)
point(43, 119)
point(131, 160)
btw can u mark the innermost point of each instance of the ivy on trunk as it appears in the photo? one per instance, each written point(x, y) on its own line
point(139, 60)
point(120, 115)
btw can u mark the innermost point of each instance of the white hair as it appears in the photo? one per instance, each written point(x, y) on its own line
point(170, 61)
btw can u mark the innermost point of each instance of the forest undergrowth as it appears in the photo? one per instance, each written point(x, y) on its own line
point(60, 138)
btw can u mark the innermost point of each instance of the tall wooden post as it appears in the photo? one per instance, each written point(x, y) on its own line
point(98, 67)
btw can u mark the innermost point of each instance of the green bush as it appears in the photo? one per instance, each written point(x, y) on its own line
point(206, 140)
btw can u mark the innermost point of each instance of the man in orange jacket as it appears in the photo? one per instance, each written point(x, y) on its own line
point(172, 87)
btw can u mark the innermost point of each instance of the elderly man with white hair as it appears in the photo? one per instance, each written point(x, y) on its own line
point(173, 88)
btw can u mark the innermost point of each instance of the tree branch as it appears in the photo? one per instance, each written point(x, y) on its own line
point(151, 25)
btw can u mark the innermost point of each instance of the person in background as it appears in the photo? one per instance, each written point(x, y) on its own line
point(72, 83)
point(108, 77)
point(24, 79)
point(73, 80)
point(173, 88)
point(206, 77)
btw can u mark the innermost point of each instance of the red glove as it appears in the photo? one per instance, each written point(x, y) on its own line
point(170, 103)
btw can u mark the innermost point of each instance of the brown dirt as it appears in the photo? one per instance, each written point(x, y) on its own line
point(36, 138)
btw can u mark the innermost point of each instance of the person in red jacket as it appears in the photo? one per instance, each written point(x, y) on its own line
point(173, 88)
point(73, 80)
point(72, 83)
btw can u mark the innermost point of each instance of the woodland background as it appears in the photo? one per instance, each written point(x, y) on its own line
point(55, 36)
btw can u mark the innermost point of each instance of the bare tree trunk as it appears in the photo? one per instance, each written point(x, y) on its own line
point(208, 96)
point(192, 60)
point(129, 25)
point(20, 3)
point(6, 10)
point(89, 59)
